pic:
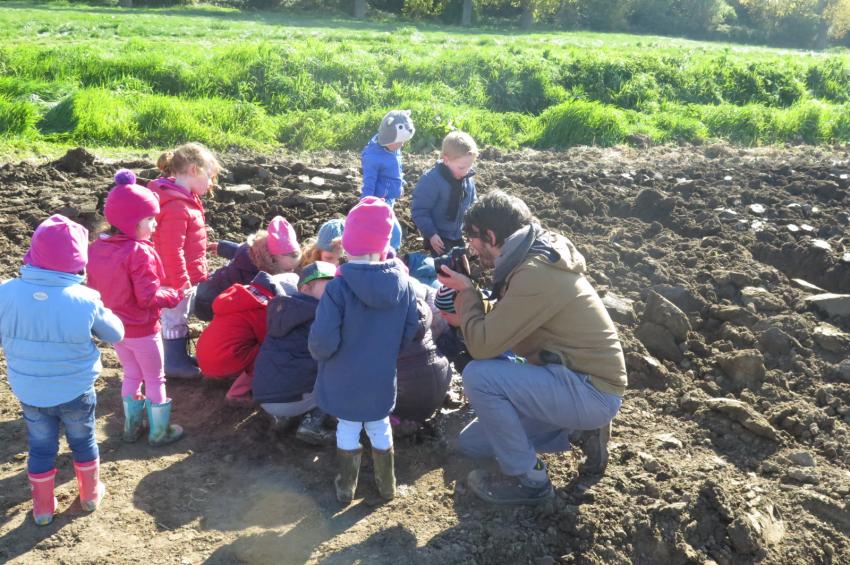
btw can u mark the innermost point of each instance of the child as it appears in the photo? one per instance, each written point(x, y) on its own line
point(285, 373)
point(357, 368)
point(327, 246)
point(421, 267)
point(230, 343)
point(181, 241)
point(423, 373)
point(47, 320)
point(451, 342)
point(127, 271)
point(381, 163)
point(444, 193)
point(272, 251)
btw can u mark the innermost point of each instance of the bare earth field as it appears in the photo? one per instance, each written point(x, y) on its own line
point(731, 447)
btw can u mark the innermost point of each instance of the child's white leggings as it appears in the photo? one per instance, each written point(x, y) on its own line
point(348, 434)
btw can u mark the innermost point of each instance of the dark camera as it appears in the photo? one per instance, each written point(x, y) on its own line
point(453, 260)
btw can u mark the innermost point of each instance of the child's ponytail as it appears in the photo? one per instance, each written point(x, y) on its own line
point(164, 163)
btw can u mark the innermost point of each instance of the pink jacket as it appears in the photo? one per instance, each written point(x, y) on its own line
point(128, 273)
point(181, 234)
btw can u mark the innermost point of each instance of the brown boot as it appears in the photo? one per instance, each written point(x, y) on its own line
point(594, 443)
point(384, 463)
point(348, 468)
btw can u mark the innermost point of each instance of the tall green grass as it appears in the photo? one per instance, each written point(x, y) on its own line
point(150, 78)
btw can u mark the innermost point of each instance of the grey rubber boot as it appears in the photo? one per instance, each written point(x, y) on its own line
point(348, 469)
point(178, 364)
point(384, 463)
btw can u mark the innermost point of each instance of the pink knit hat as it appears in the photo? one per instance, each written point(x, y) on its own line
point(128, 203)
point(282, 239)
point(59, 244)
point(368, 227)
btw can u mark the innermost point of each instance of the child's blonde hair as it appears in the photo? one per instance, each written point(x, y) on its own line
point(258, 251)
point(172, 163)
point(459, 144)
point(313, 253)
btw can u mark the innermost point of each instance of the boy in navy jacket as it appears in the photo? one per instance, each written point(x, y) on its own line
point(444, 193)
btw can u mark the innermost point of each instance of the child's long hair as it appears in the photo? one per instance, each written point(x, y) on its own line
point(173, 163)
point(312, 253)
point(258, 251)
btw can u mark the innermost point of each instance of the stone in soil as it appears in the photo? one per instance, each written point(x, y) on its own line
point(745, 368)
point(832, 339)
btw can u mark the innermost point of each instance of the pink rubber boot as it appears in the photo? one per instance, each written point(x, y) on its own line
point(240, 391)
point(43, 502)
point(88, 482)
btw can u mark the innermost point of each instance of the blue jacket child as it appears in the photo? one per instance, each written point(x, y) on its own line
point(357, 365)
point(284, 370)
point(381, 158)
point(440, 202)
point(47, 323)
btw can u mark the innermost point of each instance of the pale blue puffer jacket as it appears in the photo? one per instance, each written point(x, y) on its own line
point(47, 320)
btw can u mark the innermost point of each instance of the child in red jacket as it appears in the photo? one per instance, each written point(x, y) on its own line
point(126, 270)
point(181, 241)
point(229, 345)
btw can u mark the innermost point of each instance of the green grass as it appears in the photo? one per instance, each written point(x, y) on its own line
point(149, 78)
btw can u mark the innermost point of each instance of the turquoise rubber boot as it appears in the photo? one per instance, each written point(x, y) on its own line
point(160, 432)
point(134, 411)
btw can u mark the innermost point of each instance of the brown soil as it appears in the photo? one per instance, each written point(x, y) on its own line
point(731, 446)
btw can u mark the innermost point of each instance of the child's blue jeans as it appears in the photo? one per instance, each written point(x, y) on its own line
point(43, 431)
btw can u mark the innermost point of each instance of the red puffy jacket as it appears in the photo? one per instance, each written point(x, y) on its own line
point(181, 234)
point(232, 341)
point(127, 273)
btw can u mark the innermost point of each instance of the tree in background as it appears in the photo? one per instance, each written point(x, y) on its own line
point(815, 20)
point(359, 9)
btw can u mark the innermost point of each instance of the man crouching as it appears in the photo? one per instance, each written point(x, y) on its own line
point(546, 311)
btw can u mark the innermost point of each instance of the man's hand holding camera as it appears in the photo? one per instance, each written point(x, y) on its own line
point(454, 280)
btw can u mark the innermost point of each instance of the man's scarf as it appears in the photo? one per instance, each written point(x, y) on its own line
point(526, 242)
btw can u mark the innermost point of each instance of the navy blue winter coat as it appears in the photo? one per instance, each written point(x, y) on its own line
point(239, 270)
point(366, 316)
point(284, 370)
point(440, 201)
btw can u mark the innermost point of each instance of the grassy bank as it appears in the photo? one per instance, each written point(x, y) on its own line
point(107, 77)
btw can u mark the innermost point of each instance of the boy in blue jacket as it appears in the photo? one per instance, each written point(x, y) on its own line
point(47, 322)
point(444, 193)
point(357, 366)
point(284, 371)
point(381, 163)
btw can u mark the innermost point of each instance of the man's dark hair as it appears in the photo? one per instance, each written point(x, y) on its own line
point(497, 211)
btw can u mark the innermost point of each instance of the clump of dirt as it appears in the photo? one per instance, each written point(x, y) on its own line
point(724, 270)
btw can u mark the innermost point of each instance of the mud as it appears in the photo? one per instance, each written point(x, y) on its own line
point(731, 446)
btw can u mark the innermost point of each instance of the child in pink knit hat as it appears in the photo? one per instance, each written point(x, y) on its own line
point(357, 368)
point(47, 322)
point(127, 271)
point(274, 250)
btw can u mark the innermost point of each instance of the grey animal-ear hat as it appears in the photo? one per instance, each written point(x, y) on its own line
point(397, 126)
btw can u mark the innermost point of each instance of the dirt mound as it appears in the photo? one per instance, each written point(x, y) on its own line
point(724, 270)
